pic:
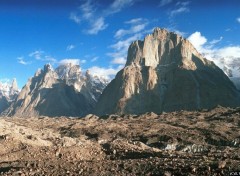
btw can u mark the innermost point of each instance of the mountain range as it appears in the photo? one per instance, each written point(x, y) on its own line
point(164, 72)
point(65, 91)
point(8, 93)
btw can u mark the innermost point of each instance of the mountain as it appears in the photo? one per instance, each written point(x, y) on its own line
point(231, 66)
point(166, 73)
point(65, 91)
point(8, 93)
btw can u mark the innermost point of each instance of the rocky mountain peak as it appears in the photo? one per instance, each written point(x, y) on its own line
point(164, 72)
point(163, 48)
point(14, 84)
point(68, 71)
point(47, 68)
point(9, 89)
point(64, 91)
point(8, 93)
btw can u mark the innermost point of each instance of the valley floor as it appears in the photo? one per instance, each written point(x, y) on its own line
point(177, 143)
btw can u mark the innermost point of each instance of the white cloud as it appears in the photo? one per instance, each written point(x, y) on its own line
point(179, 10)
point(95, 17)
point(49, 59)
point(22, 61)
point(197, 40)
point(41, 56)
point(87, 10)
point(134, 29)
point(107, 73)
point(71, 61)
point(83, 61)
point(164, 2)
point(215, 41)
point(238, 19)
point(134, 21)
point(97, 26)
point(88, 13)
point(124, 37)
point(118, 5)
point(181, 7)
point(124, 44)
point(94, 59)
point(226, 58)
point(185, 3)
point(70, 47)
point(36, 54)
point(120, 60)
point(230, 51)
point(75, 18)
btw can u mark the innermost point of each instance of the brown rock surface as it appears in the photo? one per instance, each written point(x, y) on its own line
point(177, 143)
point(166, 73)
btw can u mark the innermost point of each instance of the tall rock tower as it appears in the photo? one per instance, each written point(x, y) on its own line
point(166, 73)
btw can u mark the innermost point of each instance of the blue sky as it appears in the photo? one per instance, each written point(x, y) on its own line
point(97, 33)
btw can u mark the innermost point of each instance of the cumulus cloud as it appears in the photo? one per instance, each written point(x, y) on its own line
point(107, 73)
point(22, 61)
point(229, 51)
point(197, 40)
point(70, 47)
point(90, 13)
point(164, 2)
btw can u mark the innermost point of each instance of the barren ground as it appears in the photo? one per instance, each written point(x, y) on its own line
point(178, 143)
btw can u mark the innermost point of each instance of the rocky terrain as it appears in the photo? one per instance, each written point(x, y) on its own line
point(203, 142)
point(164, 72)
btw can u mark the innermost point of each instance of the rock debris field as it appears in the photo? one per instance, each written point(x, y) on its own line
point(178, 143)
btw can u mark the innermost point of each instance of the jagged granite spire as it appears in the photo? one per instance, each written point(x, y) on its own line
point(164, 72)
point(14, 85)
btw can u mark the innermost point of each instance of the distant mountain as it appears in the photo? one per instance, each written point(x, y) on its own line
point(166, 73)
point(8, 93)
point(65, 91)
point(231, 66)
